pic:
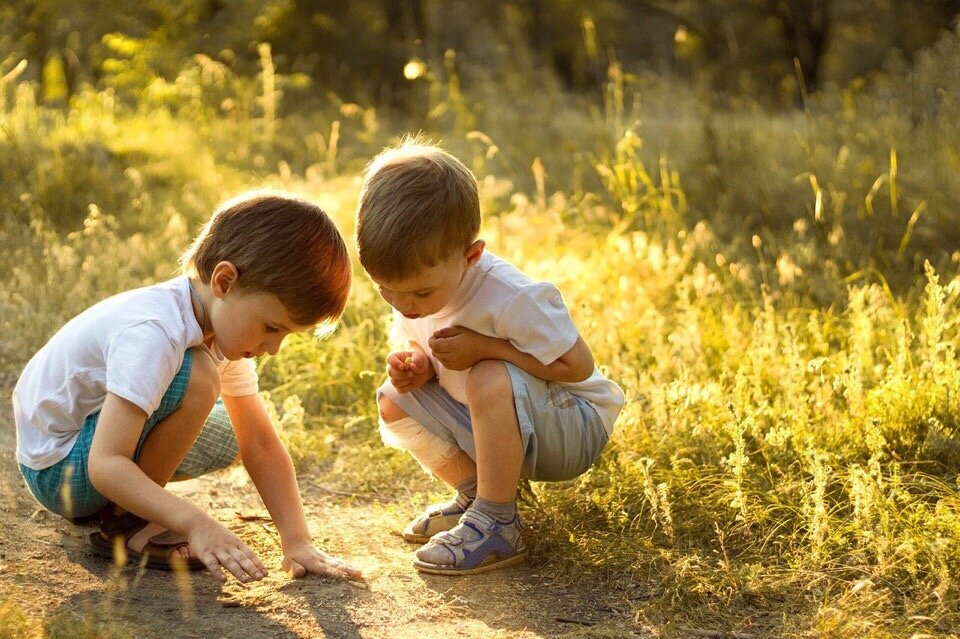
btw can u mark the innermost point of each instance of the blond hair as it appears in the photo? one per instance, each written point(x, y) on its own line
point(280, 244)
point(418, 205)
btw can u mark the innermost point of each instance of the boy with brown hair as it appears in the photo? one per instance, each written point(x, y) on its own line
point(495, 383)
point(124, 397)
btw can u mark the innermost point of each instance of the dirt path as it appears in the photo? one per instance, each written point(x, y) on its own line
point(45, 565)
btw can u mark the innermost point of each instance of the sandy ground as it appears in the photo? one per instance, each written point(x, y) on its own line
point(46, 566)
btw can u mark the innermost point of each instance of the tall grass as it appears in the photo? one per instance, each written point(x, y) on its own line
point(768, 453)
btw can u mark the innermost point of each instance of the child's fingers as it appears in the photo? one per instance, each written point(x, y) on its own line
point(412, 385)
point(249, 562)
point(327, 565)
point(399, 377)
point(295, 569)
point(213, 566)
point(234, 565)
point(419, 363)
point(347, 569)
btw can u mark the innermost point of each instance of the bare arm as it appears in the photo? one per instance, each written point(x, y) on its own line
point(119, 479)
point(459, 348)
point(271, 469)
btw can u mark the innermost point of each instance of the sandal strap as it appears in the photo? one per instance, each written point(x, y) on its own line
point(126, 525)
point(167, 540)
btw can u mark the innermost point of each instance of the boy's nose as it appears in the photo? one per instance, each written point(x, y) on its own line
point(410, 305)
point(400, 303)
point(273, 347)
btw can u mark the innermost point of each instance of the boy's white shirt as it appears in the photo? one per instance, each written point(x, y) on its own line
point(131, 345)
point(496, 299)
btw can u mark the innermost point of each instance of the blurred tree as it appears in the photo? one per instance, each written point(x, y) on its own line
point(47, 32)
point(358, 49)
point(806, 25)
point(758, 46)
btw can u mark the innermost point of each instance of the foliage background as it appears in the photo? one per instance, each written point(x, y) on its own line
point(750, 207)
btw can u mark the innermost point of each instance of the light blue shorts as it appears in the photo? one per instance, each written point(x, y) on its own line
point(65, 487)
point(562, 435)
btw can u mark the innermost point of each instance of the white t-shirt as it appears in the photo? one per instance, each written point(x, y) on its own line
point(497, 300)
point(131, 345)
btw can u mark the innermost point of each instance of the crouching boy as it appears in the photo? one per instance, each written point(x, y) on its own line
point(495, 383)
point(127, 395)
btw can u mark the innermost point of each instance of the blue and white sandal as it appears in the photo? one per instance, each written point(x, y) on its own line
point(437, 518)
point(477, 544)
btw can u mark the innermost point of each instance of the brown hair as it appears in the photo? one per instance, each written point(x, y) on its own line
point(418, 205)
point(280, 244)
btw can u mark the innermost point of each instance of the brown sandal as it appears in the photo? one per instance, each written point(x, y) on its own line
point(156, 552)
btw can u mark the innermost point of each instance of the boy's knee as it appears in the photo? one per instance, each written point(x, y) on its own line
point(431, 450)
point(204, 385)
point(389, 411)
point(488, 381)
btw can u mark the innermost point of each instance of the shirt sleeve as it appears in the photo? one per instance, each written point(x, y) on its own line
point(141, 362)
point(239, 378)
point(537, 322)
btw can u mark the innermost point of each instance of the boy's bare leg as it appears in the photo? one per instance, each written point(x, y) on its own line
point(489, 534)
point(454, 470)
point(496, 431)
point(171, 439)
point(457, 469)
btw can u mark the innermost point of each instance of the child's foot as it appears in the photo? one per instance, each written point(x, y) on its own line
point(145, 542)
point(477, 544)
point(436, 519)
point(152, 532)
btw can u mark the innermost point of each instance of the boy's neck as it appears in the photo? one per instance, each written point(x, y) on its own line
point(200, 299)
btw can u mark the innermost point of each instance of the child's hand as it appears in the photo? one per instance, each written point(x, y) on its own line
point(308, 559)
point(458, 348)
point(409, 370)
point(218, 548)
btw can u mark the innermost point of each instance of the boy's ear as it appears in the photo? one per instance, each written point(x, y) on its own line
point(223, 277)
point(474, 251)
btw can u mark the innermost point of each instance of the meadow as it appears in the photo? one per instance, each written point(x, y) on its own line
point(777, 293)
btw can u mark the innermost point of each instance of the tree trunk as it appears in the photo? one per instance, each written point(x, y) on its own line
point(806, 24)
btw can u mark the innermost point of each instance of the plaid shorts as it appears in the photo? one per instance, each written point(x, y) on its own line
point(65, 487)
point(562, 435)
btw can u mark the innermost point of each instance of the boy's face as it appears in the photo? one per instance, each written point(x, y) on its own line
point(430, 289)
point(252, 324)
point(247, 323)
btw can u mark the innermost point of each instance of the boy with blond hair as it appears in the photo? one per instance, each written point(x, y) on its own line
point(124, 397)
point(494, 384)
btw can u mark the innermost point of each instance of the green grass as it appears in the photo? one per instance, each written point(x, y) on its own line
point(777, 295)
